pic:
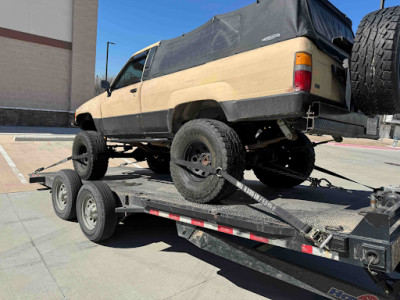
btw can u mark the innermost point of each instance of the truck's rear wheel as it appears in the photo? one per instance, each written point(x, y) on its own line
point(294, 157)
point(95, 209)
point(159, 162)
point(375, 63)
point(64, 191)
point(95, 165)
point(207, 142)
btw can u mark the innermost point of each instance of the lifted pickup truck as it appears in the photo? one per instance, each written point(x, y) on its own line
point(238, 92)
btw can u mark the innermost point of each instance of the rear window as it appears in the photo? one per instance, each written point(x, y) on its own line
point(327, 23)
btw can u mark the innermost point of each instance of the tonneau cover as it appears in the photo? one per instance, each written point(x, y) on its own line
point(259, 24)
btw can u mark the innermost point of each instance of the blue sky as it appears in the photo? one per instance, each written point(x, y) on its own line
point(133, 25)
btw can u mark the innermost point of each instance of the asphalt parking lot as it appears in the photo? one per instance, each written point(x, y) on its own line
point(43, 257)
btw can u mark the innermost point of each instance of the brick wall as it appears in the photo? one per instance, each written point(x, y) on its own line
point(45, 77)
point(34, 75)
point(22, 117)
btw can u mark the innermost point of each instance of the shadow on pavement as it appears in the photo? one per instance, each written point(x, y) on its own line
point(141, 230)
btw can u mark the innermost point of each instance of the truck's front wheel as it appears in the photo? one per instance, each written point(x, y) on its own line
point(296, 158)
point(209, 143)
point(95, 164)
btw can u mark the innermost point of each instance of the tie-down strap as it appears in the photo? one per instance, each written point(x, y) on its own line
point(318, 237)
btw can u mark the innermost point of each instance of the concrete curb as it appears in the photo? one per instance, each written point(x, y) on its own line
point(44, 138)
point(364, 146)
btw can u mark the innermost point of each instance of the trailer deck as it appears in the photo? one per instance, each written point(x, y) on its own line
point(359, 233)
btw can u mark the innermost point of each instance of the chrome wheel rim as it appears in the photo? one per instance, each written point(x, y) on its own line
point(61, 196)
point(89, 212)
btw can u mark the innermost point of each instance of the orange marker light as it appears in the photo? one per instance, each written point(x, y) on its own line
point(303, 59)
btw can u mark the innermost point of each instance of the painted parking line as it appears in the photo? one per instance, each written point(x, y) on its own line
point(132, 163)
point(13, 166)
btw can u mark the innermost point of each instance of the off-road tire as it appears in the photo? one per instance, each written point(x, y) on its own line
point(69, 182)
point(302, 162)
point(106, 202)
point(95, 166)
point(159, 163)
point(226, 152)
point(375, 63)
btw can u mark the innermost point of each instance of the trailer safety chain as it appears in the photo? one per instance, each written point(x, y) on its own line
point(318, 237)
point(74, 157)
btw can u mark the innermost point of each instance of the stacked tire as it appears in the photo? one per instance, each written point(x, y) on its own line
point(375, 63)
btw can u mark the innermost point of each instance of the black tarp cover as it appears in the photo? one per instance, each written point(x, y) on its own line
point(256, 25)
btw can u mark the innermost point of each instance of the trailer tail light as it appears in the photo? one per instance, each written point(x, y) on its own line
point(303, 72)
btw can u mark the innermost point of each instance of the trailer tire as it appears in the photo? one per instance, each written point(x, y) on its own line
point(209, 142)
point(375, 63)
point(64, 191)
point(159, 162)
point(301, 161)
point(95, 166)
point(95, 209)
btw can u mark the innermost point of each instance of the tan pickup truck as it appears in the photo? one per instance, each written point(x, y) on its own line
point(239, 93)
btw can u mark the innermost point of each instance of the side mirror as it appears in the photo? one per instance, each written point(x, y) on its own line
point(105, 84)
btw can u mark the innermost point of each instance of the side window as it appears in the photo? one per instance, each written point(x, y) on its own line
point(132, 74)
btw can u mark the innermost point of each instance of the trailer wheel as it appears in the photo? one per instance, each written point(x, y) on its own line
point(297, 156)
point(159, 163)
point(95, 165)
point(212, 143)
point(64, 191)
point(95, 209)
point(375, 63)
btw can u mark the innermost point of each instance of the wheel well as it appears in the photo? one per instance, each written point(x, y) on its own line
point(207, 109)
point(85, 122)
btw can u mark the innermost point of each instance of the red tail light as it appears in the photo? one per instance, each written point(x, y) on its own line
point(303, 72)
point(302, 80)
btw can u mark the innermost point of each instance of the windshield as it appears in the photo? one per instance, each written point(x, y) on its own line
point(327, 23)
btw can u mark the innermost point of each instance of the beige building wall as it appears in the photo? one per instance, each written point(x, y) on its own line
point(47, 60)
point(84, 34)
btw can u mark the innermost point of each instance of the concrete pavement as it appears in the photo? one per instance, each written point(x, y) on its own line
point(43, 257)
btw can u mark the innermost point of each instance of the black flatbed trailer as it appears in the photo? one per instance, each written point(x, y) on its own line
point(244, 231)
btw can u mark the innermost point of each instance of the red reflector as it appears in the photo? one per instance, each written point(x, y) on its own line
point(197, 223)
point(154, 212)
point(174, 217)
point(258, 238)
point(306, 249)
point(225, 229)
point(302, 81)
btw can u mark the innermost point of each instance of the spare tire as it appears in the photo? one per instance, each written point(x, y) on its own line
point(375, 63)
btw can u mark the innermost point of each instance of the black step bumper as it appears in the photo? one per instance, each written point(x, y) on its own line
point(313, 114)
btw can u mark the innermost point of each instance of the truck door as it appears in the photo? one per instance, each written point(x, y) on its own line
point(120, 112)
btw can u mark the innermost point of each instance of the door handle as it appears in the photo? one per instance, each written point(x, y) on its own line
point(133, 91)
